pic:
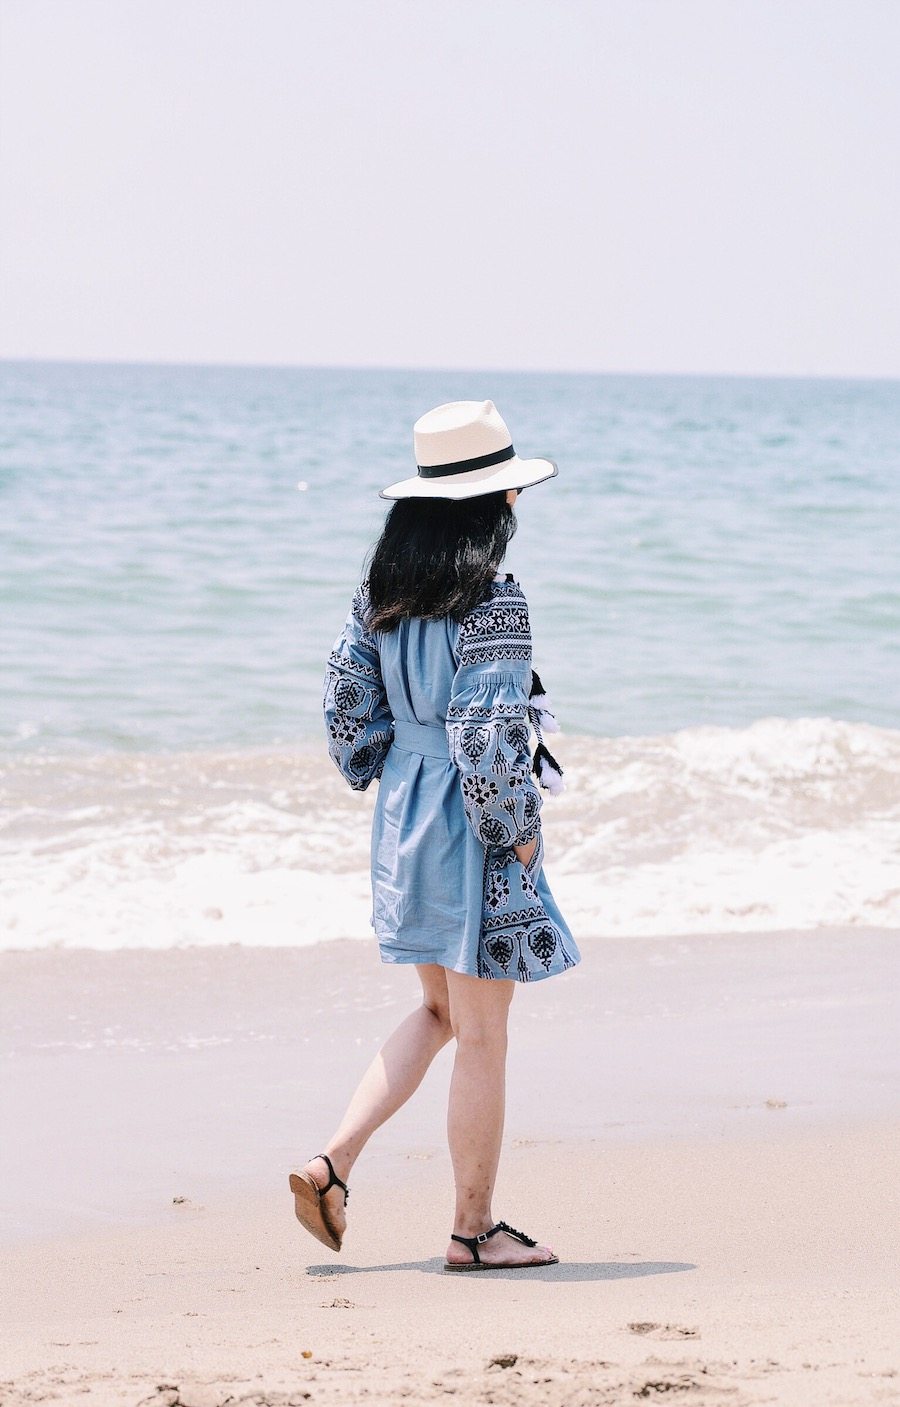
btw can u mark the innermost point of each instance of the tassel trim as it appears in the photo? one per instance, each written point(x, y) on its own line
point(542, 705)
point(546, 769)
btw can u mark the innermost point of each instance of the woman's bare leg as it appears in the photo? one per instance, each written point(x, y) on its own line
point(479, 1008)
point(394, 1074)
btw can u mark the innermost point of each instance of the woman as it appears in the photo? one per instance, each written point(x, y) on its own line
point(428, 688)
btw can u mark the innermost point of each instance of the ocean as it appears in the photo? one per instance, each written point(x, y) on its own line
point(714, 591)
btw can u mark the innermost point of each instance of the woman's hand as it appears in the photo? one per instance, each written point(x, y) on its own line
point(525, 853)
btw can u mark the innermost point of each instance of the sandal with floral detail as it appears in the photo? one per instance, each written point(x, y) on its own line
point(309, 1205)
point(476, 1263)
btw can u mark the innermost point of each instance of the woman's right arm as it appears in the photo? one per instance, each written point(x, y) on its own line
point(488, 726)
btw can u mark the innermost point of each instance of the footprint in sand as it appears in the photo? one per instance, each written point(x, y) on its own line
point(663, 1331)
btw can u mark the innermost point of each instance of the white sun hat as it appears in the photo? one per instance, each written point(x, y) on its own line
point(463, 448)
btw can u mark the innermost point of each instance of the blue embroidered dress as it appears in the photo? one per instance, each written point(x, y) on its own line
point(437, 710)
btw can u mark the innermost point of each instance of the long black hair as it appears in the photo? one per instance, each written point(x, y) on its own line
point(437, 557)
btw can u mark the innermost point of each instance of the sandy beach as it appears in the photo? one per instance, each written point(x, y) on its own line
point(309, 302)
point(705, 1128)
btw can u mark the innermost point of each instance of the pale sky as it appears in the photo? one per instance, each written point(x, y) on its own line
point(608, 185)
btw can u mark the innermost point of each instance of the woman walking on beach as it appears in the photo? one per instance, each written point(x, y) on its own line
point(430, 689)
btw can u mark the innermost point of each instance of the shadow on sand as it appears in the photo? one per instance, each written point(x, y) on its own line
point(569, 1271)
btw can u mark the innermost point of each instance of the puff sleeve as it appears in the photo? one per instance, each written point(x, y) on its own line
point(487, 720)
point(358, 721)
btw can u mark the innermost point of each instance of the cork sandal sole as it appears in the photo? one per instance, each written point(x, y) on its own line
point(311, 1212)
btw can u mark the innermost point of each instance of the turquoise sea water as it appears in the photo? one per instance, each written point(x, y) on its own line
point(713, 551)
point(715, 600)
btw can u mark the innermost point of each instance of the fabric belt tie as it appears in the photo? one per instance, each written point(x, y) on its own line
point(429, 739)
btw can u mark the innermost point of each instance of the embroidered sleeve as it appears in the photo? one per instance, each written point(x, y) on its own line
point(358, 720)
point(487, 720)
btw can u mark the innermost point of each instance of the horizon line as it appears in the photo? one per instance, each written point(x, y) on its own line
point(447, 370)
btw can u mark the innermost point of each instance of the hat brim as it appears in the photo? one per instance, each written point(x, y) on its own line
point(513, 473)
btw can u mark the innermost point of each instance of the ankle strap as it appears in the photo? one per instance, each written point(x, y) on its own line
point(333, 1179)
point(473, 1242)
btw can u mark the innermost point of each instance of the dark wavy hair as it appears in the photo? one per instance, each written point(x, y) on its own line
point(437, 557)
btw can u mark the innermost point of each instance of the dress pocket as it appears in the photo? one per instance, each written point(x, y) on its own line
point(535, 864)
point(518, 938)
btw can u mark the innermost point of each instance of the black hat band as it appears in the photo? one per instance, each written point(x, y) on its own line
point(463, 466)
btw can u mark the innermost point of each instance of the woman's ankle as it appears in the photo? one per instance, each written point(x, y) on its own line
point(341, 1161)
point(472, 1225)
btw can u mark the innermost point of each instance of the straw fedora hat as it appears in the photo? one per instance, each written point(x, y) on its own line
point(464, 449)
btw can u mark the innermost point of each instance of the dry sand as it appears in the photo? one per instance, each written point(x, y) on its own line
point(705, 1129)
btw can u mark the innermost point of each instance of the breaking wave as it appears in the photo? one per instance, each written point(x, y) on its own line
point(786, 823)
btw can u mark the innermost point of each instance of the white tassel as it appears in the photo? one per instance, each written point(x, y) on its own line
point(544, 709)
point(550, 779)
point(544, 720)
point(547, 718)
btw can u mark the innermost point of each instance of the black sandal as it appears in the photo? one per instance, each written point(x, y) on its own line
point(309, 1207)
point(476, 1263)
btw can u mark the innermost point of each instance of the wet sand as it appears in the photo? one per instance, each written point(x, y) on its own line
point(707, 1130)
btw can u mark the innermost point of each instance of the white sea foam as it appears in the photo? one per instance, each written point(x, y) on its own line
point(785, 823)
